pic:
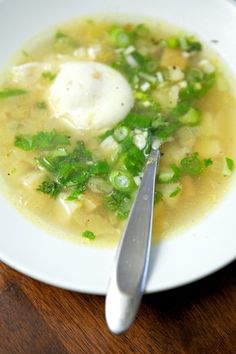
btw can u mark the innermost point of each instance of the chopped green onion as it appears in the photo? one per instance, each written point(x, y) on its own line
point(99, 168)
point(228, 167)
point(141, 31)
point(134, 160)
point(166, 129)
point(140, 139)
point(137, 120)
point(148, 77)
point(181, 109)
point(152, 66)
point(208, 162)
point(197, 89)
point(127, 143)
point(120, 133)
point(190, 44)
point(12, 92)
point(122, 181)
point(191, 118)
point(193, 45)
point(170, 177)
point(191, 165)
point(89, 235)
point(63, 38)
point(229, 163)
point(165, 177)
point(119, 37)
point(175, 192)
point(140, 59)
point(172, 42)
point(76, 193)
point(194, 75)
point(48, 75)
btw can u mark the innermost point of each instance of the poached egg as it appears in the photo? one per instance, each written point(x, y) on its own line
point(90, 95)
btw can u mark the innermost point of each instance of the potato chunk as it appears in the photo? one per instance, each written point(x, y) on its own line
point(173, 57)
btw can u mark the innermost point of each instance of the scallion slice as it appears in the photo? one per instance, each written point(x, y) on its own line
point(122, 181)
point(11, 92)
point(120, 133)
point(191, 118)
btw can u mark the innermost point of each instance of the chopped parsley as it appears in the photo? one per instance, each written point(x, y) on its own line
point(42, 141)
point(50, 187)
point(119, 202)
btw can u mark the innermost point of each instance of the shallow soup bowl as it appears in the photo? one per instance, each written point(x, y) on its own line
point(190, 255)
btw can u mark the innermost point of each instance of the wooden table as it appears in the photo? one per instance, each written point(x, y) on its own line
point(37, 318)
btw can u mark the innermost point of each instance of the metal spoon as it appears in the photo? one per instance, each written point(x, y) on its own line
point(129, 273)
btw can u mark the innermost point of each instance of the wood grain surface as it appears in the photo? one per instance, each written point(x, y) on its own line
point(37, 318)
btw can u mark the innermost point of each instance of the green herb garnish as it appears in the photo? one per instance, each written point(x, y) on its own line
point(207, 162)
point(188, 44)
point(141, 31)
point(50, 187)
point(42, 141)
point(99, 168)
point(71, 170)
point(48, 75)
point(89, 235)
point(122, 181)
point(192, 165)
point(171, 176)
point(191, 118)
point(119, 202)
point(137, 120)
point(64, 39)
point(175, 192)
point(229, 163)
point(158, 197)
point(119, 37)
point(12, 92)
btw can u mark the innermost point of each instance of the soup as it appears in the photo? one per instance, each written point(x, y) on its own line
point(80, 109)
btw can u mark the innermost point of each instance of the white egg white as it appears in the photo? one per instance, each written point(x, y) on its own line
point(90, 95)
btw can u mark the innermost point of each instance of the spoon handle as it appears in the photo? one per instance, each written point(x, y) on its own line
point(129, 275)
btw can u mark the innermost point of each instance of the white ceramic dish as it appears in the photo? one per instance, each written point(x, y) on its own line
point(197, 252)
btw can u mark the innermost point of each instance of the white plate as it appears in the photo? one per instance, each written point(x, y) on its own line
point(195, 253)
